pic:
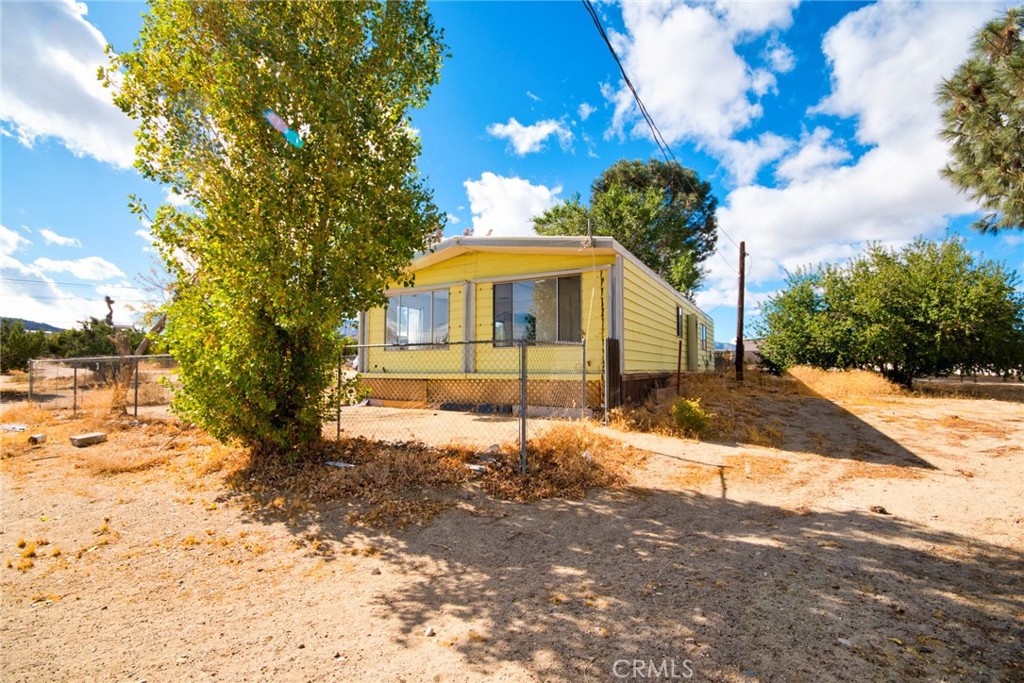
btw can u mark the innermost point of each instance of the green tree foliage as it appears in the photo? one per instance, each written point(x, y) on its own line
point(94, 337)
point(280, 242)
point(984, 120)
point(928, 309)
point(661, 212)
point(18, 346)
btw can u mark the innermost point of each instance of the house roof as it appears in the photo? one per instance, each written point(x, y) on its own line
point(600, 244)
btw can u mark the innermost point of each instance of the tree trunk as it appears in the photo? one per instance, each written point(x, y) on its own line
point(129, 363)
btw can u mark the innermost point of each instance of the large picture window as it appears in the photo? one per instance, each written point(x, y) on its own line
point(538, 310)
point(418, 318)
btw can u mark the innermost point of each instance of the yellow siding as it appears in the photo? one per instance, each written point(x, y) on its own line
point(650, 342)
point(478, 265)
point(491, 359)
point(459, 273)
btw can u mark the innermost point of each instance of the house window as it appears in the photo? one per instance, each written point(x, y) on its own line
point(547, 310)
point(703, 337)
point(418, 318)
point(679, 321)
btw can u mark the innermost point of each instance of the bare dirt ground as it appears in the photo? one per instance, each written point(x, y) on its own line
point(726, 561)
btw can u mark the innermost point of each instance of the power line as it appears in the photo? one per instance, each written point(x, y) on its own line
point(731, 266)
point(43, 297)
point(50, 282)
point(659, 139)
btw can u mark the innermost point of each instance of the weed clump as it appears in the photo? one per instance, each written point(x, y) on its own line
point(690, 417)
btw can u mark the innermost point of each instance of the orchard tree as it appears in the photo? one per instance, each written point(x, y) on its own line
point(661, 212)
point(18, 346)
point(285, 127)
point(984, 121)
point(929, 309)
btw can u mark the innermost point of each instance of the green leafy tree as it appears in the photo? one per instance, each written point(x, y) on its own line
point(18, 346)
point(661, 212)
point(984, 121)
point(929, 309)
point(288, 231)
point(93, 337)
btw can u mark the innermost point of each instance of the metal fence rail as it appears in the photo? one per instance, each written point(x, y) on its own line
point(94, 383)
point(475, 394)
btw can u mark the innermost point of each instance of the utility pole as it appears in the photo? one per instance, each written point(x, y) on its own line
point(739, 316)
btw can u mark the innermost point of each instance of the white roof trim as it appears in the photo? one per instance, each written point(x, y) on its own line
point(456, 246)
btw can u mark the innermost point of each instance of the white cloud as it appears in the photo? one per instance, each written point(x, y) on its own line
point(532, 96)
point(745, 158)
point(173, 198)
point(149, 239)
point(504, 206)
point(526, 139)
point(10, 241)
point(710, 93)
point(28, 293)
point(755, 18)
point(88, 268)
point(453, 219)
point(779, 57)
point(762, 82)
point(886, 61)
point(585, 110)
point(50, 237)
point(815, 154)
point(50, 55)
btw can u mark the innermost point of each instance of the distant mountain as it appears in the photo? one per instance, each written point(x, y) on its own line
point(724, 346)
point(32, 326)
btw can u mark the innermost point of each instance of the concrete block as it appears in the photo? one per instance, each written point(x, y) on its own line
point(82, 440)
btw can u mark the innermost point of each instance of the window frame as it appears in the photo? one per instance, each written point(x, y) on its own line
point(511, 341)
point(420, 346)
point(703, 337)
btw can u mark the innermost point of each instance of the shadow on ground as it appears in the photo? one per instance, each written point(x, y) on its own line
point(741, 591)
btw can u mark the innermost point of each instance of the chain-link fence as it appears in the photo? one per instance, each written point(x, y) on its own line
point(470, 393)
point(142, 384)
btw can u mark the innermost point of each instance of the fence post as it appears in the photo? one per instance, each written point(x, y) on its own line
point(31, 372)
point(679, 368)
point(605, 383)
point(74, 395)
point(136, 387)
point(583, 405)
point(341, 355)
point(522, 406)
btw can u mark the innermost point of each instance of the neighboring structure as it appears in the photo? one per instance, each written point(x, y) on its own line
point(474, 298)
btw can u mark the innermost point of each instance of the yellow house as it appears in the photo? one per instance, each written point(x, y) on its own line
point(588, 309)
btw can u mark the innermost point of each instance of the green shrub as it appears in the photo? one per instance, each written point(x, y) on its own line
point(690, 417)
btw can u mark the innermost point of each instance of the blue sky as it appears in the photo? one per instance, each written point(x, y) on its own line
point(814, 122)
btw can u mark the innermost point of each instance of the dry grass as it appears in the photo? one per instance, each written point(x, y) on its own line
point(758, 469)
point(741, 412)
point(988, 388)
point(25, 413)
point(857, 469)
point(967, 428)
point(840, 384)
point(565, 462)
point(124, 461)
point(393, 486)
point(733, 407)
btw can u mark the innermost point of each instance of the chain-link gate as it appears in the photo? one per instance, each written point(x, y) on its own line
point(99, 382)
